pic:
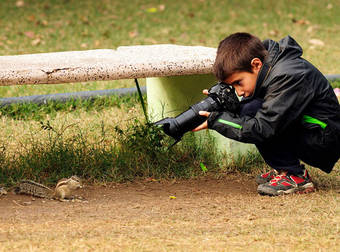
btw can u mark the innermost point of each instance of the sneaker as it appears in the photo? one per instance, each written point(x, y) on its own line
point(286, 184)
point(266, 177)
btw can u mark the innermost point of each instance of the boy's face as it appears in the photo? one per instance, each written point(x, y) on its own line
point(245, 82)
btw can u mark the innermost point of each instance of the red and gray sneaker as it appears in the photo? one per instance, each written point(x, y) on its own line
point(286, 184)
point(266, 177)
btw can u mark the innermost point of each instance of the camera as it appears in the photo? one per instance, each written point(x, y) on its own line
point(221, 97)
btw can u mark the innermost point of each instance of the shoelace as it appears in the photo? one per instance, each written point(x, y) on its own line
point(268, 174)
point(277, 178)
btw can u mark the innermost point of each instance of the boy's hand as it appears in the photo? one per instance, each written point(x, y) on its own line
point(203, 125)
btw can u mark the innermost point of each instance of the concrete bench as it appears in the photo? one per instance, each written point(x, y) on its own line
point(175, 75)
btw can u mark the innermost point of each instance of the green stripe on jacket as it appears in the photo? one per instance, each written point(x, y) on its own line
point(235, 125)
point(313, 120)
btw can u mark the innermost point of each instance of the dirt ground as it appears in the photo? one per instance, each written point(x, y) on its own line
point(205, 214)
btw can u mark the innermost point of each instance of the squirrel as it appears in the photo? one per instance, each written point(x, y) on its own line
point(63, 190)
point(65, 187)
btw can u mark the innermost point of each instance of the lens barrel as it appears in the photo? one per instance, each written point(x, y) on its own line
point(188, 120)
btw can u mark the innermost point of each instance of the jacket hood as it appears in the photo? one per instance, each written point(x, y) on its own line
point(285, 48)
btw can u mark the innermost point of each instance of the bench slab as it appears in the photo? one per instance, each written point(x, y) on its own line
point(127, 62)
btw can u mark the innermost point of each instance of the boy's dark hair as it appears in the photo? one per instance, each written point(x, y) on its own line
point(235, 53)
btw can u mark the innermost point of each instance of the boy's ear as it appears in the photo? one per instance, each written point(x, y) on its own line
point(256, 64)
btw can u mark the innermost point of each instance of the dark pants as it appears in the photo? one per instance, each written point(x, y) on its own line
point(284, 152)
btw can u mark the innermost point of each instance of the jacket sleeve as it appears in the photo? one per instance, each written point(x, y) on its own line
point(285, 99)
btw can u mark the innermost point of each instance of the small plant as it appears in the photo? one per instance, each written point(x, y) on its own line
point(148, 150)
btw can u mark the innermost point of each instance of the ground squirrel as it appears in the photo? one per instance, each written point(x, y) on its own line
point(63, 190)
point(65, 187)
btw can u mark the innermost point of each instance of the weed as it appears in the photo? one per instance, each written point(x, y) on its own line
point(147, 149)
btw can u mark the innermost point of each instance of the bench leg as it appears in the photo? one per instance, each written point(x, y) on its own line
point(169, 96)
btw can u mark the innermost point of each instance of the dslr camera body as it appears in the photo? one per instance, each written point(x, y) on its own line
point(221, 97)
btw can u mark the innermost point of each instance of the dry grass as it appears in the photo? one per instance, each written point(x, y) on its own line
point(18, 134)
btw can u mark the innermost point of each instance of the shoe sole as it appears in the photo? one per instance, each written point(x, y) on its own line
point(307, 188)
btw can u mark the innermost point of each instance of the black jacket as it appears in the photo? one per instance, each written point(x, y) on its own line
point(294, 93)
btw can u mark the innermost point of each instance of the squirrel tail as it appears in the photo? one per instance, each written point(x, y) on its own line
point(33, 188)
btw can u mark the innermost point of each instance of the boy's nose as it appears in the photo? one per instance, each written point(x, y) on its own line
point(239, 92)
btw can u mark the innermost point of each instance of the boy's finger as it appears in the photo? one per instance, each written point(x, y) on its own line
point(201, 127)
point(204, 113)
point(205, 91)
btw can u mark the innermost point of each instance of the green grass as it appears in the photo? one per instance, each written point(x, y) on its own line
point(54, 25)
point(107, 139)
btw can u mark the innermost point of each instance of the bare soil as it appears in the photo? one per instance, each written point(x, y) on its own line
point(205, 214)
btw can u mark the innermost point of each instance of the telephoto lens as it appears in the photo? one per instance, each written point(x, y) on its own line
point(220, 97)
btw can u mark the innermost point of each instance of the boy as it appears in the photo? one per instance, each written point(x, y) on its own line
point(288, 110)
